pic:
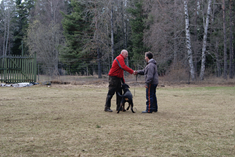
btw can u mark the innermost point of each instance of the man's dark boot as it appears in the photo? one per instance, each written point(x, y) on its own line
point(108, 104)
point(107, 109)
point(155, 109)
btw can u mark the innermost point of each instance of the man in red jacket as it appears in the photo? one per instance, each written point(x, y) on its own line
point(116, 77)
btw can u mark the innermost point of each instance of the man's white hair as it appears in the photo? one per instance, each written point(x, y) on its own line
point(123, 51)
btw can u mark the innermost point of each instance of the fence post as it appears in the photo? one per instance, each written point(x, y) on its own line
point(35, 67)
point(5, 68)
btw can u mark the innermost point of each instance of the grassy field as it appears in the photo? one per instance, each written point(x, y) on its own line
point(68, 120)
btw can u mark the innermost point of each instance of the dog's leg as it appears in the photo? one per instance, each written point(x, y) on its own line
point(123, 107)
point(132, 108)
point(119, 108)
point(131, 104)
point(121, 104)
point(128, 107)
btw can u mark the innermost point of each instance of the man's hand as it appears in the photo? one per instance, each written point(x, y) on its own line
point(135, 72)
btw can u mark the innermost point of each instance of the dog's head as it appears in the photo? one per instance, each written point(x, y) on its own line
point(125, 86)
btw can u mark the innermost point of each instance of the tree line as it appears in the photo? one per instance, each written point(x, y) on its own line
point(85, 36)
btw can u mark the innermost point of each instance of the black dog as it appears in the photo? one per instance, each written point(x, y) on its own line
point(126, 97)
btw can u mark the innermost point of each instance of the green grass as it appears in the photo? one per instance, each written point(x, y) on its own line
point(70, 121)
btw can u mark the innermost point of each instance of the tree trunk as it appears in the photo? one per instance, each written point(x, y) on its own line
point(175, 42)
point(99, 63)
point(231, 70)
point(4, 38)
point(205, 41)
point(124, 33)
point(218, 67)
point(98, 49)
point(225, 42)
point(112, 40)
point(195, 46)
point(188, 41)
point(8, 32)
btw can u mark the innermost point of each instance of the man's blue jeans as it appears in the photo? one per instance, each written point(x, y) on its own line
point(151, 103)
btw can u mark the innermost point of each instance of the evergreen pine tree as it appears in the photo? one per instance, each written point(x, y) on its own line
point(76, 31)
point(21, 21)
point(137, 26)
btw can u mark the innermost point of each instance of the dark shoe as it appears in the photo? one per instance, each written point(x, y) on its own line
point(154, 109)
point(108, 110)
point(146, 112)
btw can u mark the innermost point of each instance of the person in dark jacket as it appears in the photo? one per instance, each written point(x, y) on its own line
point(151, 82)
point(116, 78)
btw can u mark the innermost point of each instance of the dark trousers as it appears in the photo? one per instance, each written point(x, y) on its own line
point(151, 103)
point(114, 87)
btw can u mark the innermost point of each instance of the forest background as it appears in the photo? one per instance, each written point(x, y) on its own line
point(190, 39)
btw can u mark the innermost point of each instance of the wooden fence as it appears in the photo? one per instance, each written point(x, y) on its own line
point(15, 69)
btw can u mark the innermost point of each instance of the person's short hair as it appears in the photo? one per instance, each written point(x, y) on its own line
point(123, 51)
point(149, 55)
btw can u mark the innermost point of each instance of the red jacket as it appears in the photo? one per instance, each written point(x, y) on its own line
point(116, 70)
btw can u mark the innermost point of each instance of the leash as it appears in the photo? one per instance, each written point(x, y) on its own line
point(136, 82)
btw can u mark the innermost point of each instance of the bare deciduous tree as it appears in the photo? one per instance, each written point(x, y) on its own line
point(45, 33)
point(165, 34)
point(44, 41)
point(7, 14)
point(205, 41)
point(188, 41)
point(109, 16)
point(225, 41)
point(231, 65)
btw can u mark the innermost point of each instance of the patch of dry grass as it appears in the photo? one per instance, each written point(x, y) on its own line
point(69, 121)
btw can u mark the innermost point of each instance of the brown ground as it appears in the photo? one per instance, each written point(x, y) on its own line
point(68, 120)
point(139, 82)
